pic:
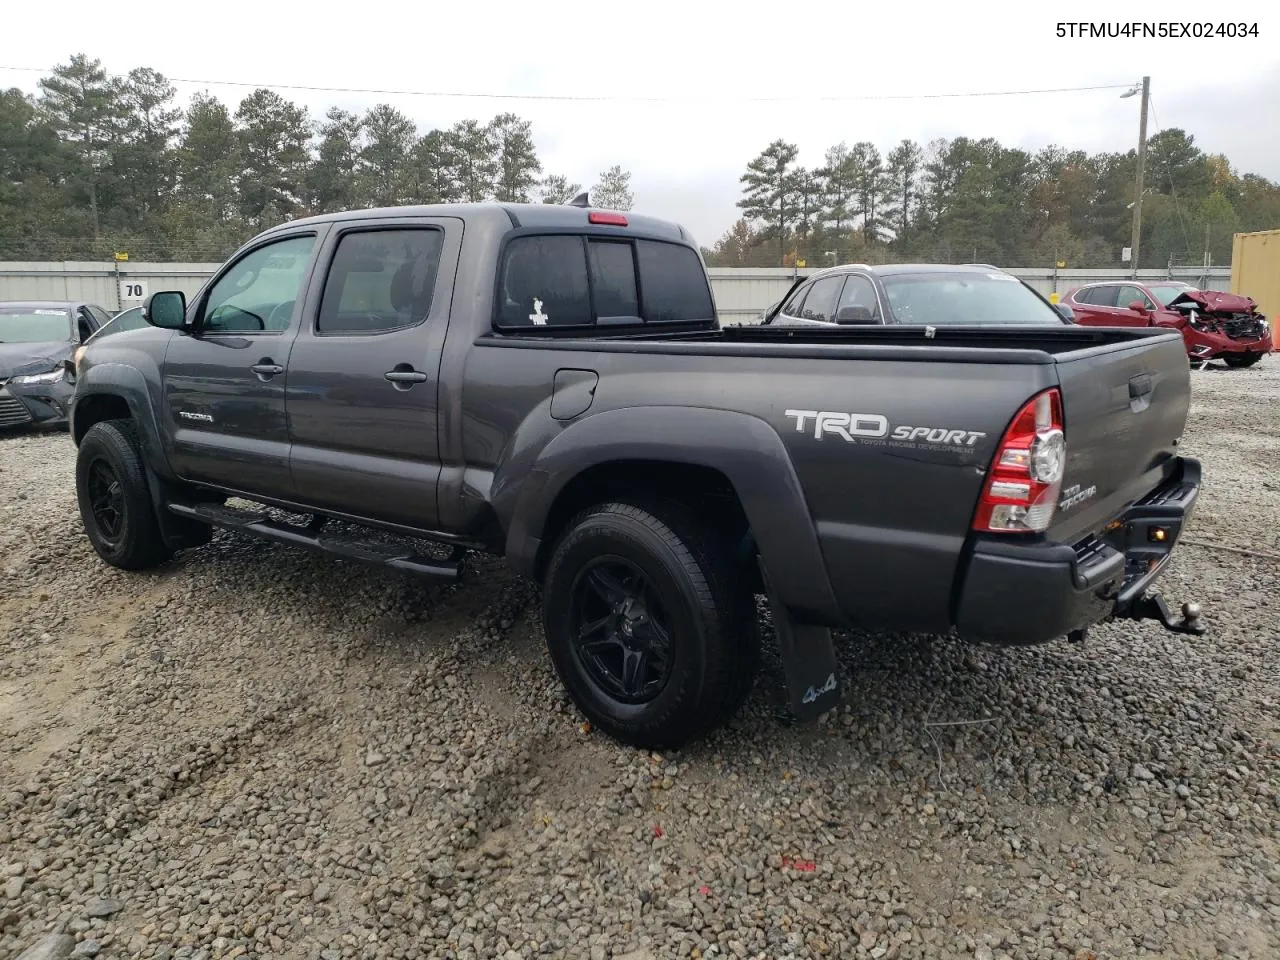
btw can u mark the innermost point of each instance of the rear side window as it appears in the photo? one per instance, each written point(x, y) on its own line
point(858, 292)
point(1104, 296)
point(380, 280)
point(574, 280)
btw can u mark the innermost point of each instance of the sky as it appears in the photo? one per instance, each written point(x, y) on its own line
point(685, 94)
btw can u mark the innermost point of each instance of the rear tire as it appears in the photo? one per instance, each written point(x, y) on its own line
point(650, 622)
point(115, 500)
point(1239, 360)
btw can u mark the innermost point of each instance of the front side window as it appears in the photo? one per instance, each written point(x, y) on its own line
point(380, 280)
point(258, 293)
point(34, 324)
point(821, 302)
point(100, 316)
point(1130, 293)
point(793, 306)
point(965, 299)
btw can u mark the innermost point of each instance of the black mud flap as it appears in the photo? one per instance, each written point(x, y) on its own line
point(808, 659)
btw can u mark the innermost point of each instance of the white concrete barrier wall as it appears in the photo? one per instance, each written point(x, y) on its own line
point(740, 292)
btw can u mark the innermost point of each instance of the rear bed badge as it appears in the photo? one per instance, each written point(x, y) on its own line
point(1074, 496)
point(873, 428)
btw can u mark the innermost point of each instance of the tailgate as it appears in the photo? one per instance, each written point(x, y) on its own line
point(1124, 407)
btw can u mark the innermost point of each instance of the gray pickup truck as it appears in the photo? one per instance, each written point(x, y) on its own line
point(551, 384)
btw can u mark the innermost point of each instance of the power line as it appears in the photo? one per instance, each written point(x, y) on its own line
point(622, 99)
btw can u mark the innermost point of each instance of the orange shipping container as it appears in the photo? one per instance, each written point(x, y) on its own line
point(1255, 272)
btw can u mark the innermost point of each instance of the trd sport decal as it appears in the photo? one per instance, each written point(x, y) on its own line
point(874, 428)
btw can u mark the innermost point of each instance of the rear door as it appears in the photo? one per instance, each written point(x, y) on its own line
point(363, 389)
point(224, 382)
point(1124, 409)
point(1094, 305)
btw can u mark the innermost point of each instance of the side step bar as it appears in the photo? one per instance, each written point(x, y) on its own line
point(395, 556)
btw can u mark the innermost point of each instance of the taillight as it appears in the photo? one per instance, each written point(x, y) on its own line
point(1021, 492)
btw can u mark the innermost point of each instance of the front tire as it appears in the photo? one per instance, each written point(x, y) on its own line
point(115, 500)
point(1239, 360)
point(650, 622)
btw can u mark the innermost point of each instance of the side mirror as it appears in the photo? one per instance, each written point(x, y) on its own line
point(1068, 314)
point(69, 366)
point(854, 313)
point(1137, 306)
point(166, 309)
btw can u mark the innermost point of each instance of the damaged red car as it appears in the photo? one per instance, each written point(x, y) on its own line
point(1214, 325)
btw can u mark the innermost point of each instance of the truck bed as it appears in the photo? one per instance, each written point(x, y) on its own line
point(1020, 344)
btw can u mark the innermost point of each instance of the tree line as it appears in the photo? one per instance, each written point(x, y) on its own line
point(97, 163)
point(967, 200)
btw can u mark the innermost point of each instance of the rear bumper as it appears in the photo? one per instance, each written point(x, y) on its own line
point(1026, 593)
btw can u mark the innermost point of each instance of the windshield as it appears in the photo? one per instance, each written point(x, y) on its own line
point(34, 324)
point(1166, 292)
point(965, 299)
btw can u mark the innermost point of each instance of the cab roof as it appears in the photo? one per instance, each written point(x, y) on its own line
point(514, 215)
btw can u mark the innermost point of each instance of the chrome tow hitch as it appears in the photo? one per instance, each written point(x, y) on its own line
point(1151, 606)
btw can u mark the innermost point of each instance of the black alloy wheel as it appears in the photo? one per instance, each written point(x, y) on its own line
point(621, 634)
point(650, 621)
point(106, 501)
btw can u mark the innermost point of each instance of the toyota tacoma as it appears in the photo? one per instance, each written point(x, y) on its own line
point(551, 384)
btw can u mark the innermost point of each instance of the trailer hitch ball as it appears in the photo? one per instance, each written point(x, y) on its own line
point(1191, 613)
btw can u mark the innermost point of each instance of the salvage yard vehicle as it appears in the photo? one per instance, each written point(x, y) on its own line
point(130, 319)
point(1215, 325)
point(971, 294)
point(37, 339)
point(551, 384)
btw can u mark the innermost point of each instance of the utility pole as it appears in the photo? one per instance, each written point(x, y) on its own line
point(1142, 162)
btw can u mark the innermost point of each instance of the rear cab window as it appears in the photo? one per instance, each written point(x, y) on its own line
point(585, 280)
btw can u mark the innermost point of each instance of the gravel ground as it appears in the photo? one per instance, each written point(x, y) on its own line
point(256, 752)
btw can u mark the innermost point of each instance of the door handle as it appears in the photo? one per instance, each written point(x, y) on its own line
point(266, 369)
point(404, 376)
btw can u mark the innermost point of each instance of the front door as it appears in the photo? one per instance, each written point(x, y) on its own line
point(363, 389)
point(224, 382)
point(1125, 316)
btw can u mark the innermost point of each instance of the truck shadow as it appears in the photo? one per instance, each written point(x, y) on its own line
point(1026, 723)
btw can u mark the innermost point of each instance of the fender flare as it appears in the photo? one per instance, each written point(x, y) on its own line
point(128, 384)
point(744, 448)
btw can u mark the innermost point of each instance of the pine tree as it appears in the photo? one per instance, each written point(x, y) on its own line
point(613, 190)
point(517, 160)
point(768, 191)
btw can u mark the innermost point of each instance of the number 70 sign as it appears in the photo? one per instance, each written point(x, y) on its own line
point(133, 289)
